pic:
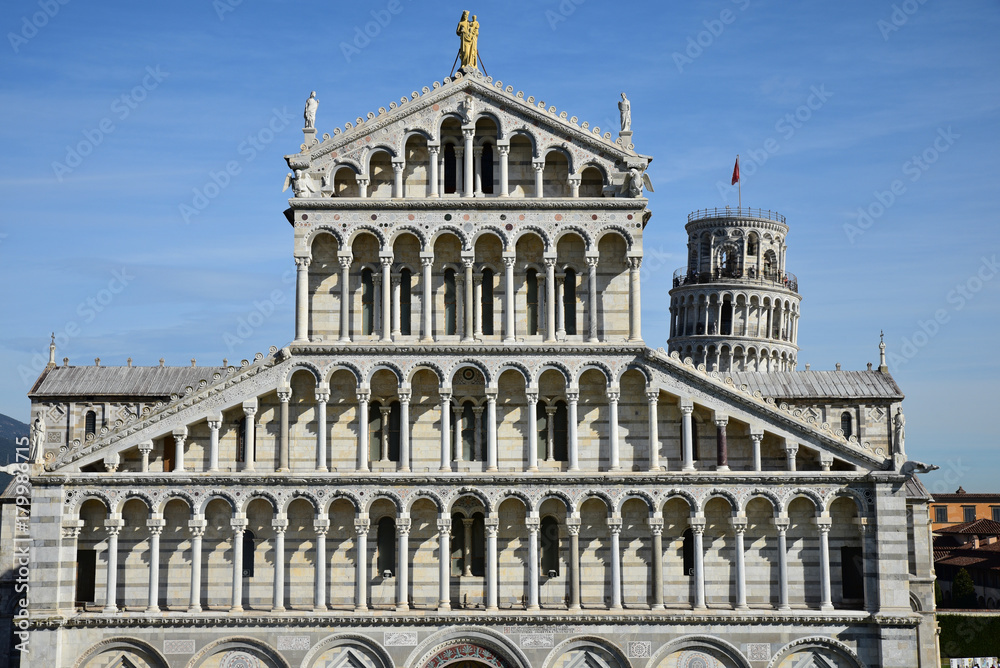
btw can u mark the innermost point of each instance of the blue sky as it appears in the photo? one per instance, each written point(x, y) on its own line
point(115, 116)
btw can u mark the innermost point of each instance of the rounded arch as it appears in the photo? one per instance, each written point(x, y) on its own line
point(473, 492)
point(375, 150)
point(445, 117)
point(365, 229)
point(343, 366)
point(427, 366)
point(448, 229)
point(557, 494)
point(821, 642)
point(591, 164)
point(572, 229)
point(238, 643)
point(350, 163)
point(427, 494)
point(614, 229)
point(176, 494)
point(395, 234)
point(582, 642)
point(538, 232)
point(559, 367)
point(804, 493)
point(428, 653)
point(679, 494)
point(639, 494)
point(468, 362)
point(261, 494)
point(609, 375)
point(488, 114)
point(337, 494)
point(91, 495)
point(383, 365)
point(702, 642)
point(759, 493)
point(717, 493)
point(131, 494)
point(358, 643)
point(145, 651)
point(305, 495)
point(635, 366)
point(301, 365)
point(324, 229)
point(852, 494)
point(386, 494)
point(511, 493)
point(415, 132)
point(595, 494)
point(524, 132)
point(512, 365)
point(556, 148)
point(490, 229)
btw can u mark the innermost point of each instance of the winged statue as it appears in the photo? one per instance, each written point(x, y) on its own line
point(635, 180)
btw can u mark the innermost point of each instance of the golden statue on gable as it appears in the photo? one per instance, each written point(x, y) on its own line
point(468, 31)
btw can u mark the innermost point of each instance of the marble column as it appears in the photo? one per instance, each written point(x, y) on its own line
point(397, 183)
point(592, 298)
point(574, 186)
point(284, 398)
point(477, 310)
point(214, 424)
point(491, 429)
point(302, 299)
point(532, 524)
point(508, 299)
point(823, 524)
point(791, 449)
point(467, 547)
point(433, 152)
point(180, 435)
point(239, 526)
point(571, 423)
point(656, 527)
point(404, 431)
point(477, 436)
point(444, 554)
point(781, 524)
point(634, 300)
point(573, 526)
point(321, 427)
point(550, 433)
point(402, 564)
point(615, 526)
point(613, 460)
point(687, 408)
point(250, 434)
point(739, 528)
point(319, 594)
point(197, 527)
point(470, 186)
point(457, 444)
point(504, 170)
point(492, 576)
point(279, 525)
point(756, 435)
point(362, 187)
point(722, 449)
point(361, 563)
point(386, 297)
point(697, 532)
point(653, 398)
point(532, 398)
point(426, 302)
point(113, 527)
point(145, 448)
point(470, 301)
point(384, 441)
point(155, 525)
point(345, 297)
point(445, 431)
point(362, 454)
point(550, 299)
point(539, 180)
point(560, 307)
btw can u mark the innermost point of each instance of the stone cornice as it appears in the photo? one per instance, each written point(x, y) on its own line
point(306, 619)
point(466, 349)
point(466, 203)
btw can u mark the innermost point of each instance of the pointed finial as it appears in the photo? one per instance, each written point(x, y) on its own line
point(52, 350)
point(881, 352)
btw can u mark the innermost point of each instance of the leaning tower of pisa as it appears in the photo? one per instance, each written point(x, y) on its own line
point(735, 307)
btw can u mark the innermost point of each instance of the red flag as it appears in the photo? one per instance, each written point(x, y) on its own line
point(736, 172)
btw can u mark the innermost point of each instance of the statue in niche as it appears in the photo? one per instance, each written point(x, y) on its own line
point(899, 426)
point(625, 109)
point(468, 32)
point(37, 438)
point(312, 104)
point(634, 182)
point(468, 110)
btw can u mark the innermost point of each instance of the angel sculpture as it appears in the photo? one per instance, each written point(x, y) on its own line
point(634, 182)
point(300, 183)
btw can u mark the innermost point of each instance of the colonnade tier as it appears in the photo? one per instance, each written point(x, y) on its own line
point(468, 421)
point(421, 291)
point(593, 554)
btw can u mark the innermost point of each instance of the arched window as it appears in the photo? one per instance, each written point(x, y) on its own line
point(569, 302)
point(845, 424)
point(532, 301)
point(770, 265)
point(450, 303)
point(549, 544)
point(468, 432)
point(486, 168)
point(91, 423)
point(727, 318)
point(450, 169)
point(561, 432)
point(405, 301)
point(487, 305)
point(688, 552)
point(248, 553)
point(367, 302)
point(752, 245)
point(386, 547)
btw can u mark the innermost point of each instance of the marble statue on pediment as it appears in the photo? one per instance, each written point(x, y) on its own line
point(312, 104)
point(625, 110)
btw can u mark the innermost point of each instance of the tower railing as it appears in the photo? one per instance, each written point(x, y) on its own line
point(785, 279)
point(729, 212)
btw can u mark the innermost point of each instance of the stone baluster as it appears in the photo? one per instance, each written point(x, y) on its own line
point(634, 300)
point(319, 595)
point(197, 527)
point(239, 526)
point(653, 398)
point(214, 424)
point(322, 396)
point(781, 524)
point(532, 524)
point(615, 527)
point(279, 524)
point(491, 429)
point(402, 563)
point(572, 397)
point(427, 303)
point(492, 576)
point(687, 409)
point(180, 435)
point(361, 563)
point(404, 431)
point(155, 524)
point(574, 186)
point(345, 259)
point(656, 527)
point(697, 524)
point(592, 297)
point(722, 449)
point(444, 552)
point(739, 528)
point(284, 397)
point(613, 460)
point(302, 299)
point(362, 454)
point(250, 434)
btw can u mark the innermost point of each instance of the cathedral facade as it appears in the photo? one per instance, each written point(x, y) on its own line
point(468, 455)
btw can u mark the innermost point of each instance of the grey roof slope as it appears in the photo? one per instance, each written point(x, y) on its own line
point(916, 490)
point(118, 381)
point(821, 384)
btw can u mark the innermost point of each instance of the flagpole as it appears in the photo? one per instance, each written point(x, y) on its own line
point(739, 182)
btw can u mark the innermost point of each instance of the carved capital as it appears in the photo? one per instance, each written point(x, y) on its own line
point(532, 524)
point(345, 261)
point(615, 525)
point(238, 524)
point(284, 396)
point(532, 397)
point(592, 262)
point(279, 524)
point(653, 396)
point(613, 397)
point(504, 150)
point(361, 526)
point(321, 526)
point(634, 263)
point(303, 262)
point(404, 397)
point(444, 525)
point(322, 397)
point(572, 396)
